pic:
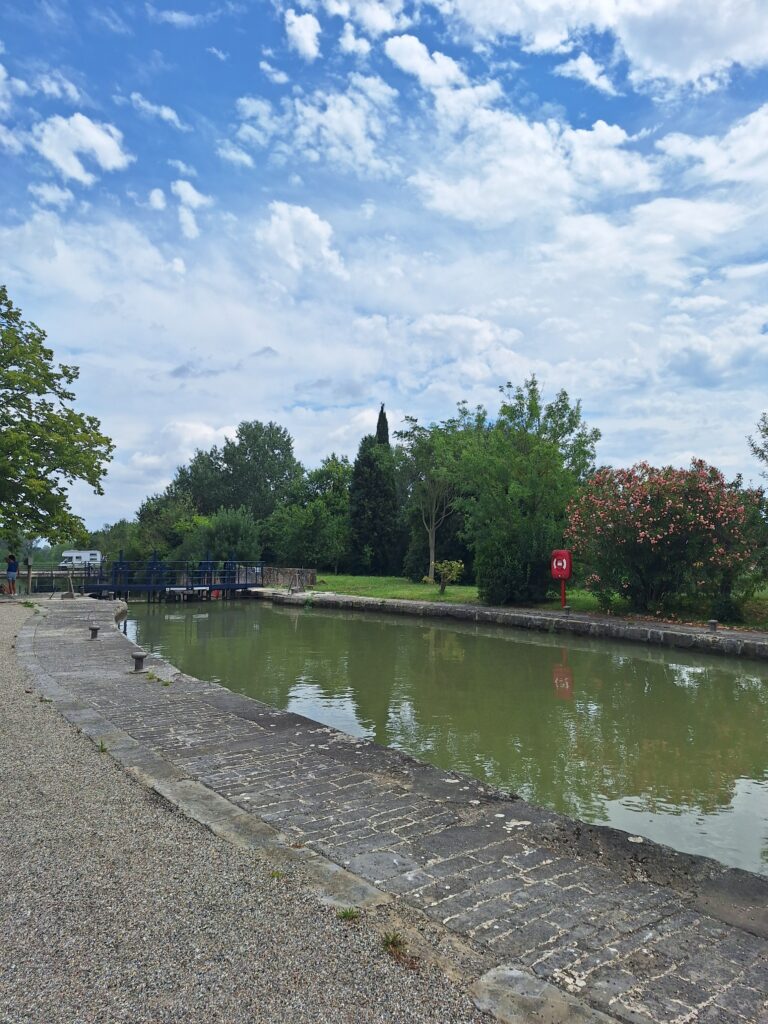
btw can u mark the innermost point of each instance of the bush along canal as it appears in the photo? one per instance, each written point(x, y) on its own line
point(663, 744)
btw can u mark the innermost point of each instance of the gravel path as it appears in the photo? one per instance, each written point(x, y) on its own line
point(114, 907)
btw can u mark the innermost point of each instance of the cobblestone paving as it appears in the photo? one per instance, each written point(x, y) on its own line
point(484, 865)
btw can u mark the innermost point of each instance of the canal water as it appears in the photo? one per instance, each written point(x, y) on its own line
point(665, 744)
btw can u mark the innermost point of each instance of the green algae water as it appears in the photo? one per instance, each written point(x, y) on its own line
point(665, 744)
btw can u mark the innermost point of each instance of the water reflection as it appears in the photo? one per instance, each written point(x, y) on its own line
point(665, 744)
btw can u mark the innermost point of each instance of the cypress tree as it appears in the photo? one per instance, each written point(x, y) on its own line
point(373, 508)
point(382, 428)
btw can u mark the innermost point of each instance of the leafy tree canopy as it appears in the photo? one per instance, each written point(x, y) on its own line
point(312, 528)
point(518, 474)
point(660, 536)
point(45, 445)
point(433, 481)
point(253, 470)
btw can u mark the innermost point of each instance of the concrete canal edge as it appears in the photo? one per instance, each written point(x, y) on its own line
point(590, 920)
point(723, 641)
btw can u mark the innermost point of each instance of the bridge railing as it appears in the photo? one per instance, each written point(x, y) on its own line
point(153, 573)
point(121, 574)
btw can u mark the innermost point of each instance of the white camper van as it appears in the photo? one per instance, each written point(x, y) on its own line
point(80, 559)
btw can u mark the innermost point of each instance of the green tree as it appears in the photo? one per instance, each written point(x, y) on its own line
point(120, 536)
point(45, 445)
point(759, 445)
point(382, 428)
point(312, 528)
point(260, 467)
point(373, 509)
point(448, 572)
point(659, 537)
point(253, 470)
point(519, 474)
point(203, 480)
point(229, 532)
point(431, 456)
point(164, 521)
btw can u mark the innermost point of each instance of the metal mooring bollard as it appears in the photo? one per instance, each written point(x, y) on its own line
point(138, 660)
point(94, 632)
point(712, 625)
point(567, 610)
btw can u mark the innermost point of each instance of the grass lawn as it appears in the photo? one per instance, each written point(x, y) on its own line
point(401, 589)
point(396, 587)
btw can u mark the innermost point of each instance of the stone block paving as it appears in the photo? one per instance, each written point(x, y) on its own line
point(467, 857)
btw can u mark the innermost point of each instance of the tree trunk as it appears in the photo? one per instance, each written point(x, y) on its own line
point(431, 531)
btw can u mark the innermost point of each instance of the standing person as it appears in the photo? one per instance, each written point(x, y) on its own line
point(11, 573)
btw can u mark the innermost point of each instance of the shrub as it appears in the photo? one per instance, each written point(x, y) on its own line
point(661, 536)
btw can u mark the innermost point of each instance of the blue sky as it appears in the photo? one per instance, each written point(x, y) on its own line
point(297, 210)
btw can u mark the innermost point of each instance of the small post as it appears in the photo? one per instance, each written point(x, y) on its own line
point(138, 660)
point(94, 632)
point(562, 593)
point(712, 625)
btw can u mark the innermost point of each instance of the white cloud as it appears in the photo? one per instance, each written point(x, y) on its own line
point(51, 84)
point(661, 241)
point(740, 155)
point(189, 201)
point(412, 56)
point(745, 270)
point(346, 128)
point(60, 140)
point(56, 86)
point(188, 223)
point(600, 162)
point(9, 89)
point(260, 122)
point(157, 199)
point(374, 17)
point(301, 239)
point(51, 195)
point(181, 19)
point(275, 76)
point(188, 195)
point(493, 166)
point(303, 31)
point(217, 53)
point(350, 43)
point(160, 111)
point(11, 141)
point(587, 70)
point(111, 20)
point(234, 155)
point(695, 41)
point(182, 168)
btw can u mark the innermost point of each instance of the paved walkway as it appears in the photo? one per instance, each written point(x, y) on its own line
point(582, 919)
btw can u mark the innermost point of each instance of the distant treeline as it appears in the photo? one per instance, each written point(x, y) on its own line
point(496, 493)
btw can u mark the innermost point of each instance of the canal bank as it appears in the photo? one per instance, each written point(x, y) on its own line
point(714, 639)
point(569, 914)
